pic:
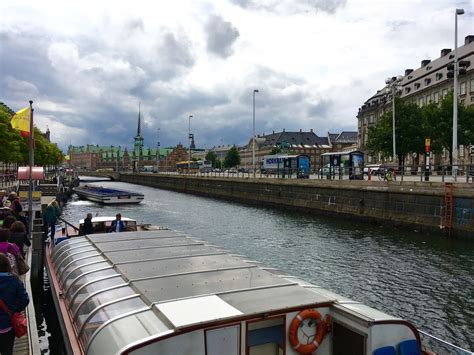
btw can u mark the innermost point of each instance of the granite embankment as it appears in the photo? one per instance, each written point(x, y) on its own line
point(418, 205)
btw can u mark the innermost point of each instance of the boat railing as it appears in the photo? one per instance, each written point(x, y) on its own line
point(441, 346)
point(69, 224)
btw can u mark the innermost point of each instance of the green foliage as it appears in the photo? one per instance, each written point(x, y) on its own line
point(438, 121)
point(232, 158)
point(14, 148)
point(413, 125)
point(275, 150)
point(212, 157)
point(409, 133)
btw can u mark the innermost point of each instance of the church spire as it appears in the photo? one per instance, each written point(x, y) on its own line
point(139, 123)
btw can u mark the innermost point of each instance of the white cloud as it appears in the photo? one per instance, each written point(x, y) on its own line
point(88, 64)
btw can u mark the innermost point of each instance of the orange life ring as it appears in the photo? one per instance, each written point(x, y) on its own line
point(323, 327)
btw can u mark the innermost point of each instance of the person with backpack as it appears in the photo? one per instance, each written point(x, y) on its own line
point(19, 236)
point(14, 296)
point(9, 249)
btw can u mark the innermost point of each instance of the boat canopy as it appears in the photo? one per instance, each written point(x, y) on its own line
point(124, 288)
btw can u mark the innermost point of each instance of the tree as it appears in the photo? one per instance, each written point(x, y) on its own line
point(232, 158)
point(438, 121)
point(409, 132)
point(212, 157)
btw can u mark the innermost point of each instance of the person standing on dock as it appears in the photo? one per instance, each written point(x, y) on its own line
point(19, 236)
point(15, 298)
point(87, 227)
point(51, 215)
point(117, 224)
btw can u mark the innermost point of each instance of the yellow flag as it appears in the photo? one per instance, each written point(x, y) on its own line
point(21, 120)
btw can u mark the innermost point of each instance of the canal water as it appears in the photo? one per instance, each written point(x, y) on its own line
point(422, 278)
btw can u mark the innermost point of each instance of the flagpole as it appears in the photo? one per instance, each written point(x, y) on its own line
point(32, 161)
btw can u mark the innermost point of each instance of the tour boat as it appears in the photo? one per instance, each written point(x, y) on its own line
point(164, 292)
point(107, 195)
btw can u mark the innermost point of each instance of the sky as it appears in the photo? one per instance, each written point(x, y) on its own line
point(88, 65)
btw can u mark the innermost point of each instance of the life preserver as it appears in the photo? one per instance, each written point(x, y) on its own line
point(322, 329)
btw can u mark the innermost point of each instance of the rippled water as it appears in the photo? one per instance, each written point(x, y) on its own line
point(425, 279)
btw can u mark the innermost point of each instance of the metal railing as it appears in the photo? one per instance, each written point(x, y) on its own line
point(440, 346)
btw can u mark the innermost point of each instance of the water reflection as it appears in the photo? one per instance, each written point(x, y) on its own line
point(423, 278)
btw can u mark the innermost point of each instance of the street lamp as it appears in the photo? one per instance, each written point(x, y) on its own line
point(455, 96)
point(253, 137)
point(394, 84)
point(189, 136)
point(158, 154)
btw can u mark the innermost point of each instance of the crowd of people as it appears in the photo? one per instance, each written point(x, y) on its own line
point(13, 295)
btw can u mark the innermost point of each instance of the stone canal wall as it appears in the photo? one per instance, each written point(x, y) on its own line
point(420, 205)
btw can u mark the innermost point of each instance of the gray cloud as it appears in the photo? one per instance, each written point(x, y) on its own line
point(221, 35)
point(292, 6)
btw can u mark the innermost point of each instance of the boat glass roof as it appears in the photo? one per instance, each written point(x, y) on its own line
point(162, 271)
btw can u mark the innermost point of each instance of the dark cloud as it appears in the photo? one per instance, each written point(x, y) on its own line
point(221, 35)
point(290, 7)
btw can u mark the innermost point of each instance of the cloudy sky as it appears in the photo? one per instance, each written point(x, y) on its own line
point(88, 64)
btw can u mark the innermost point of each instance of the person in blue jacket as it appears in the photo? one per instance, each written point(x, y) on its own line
point(14, 295)
point(117, 224)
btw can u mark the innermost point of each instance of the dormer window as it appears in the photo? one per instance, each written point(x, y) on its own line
point(439, 76)
point(429, 67)
point(410, 77)
point(427, 81)
point(417, 86)
point(407, 90)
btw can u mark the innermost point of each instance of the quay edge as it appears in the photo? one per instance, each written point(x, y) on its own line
point(417, 205)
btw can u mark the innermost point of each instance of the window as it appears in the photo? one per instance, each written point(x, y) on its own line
point(439, 76)
point(445, 92)
point(428, 99)
point(417, 86)
point(371, 119)
point(463, 89)
point(266, 337)
point(472, 86)
point(407, 90)
point(436, 97)
point(427, 81)
point(223, 340)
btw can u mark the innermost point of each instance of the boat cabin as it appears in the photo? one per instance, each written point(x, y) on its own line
point(163, 292)
point(103, 224)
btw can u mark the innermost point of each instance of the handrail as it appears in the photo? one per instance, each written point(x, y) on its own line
point(445, 342)
point(69, 224)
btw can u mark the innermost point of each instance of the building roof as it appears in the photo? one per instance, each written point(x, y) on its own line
point(293, 139)
point(346, 137)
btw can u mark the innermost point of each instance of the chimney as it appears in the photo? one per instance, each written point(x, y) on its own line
point(408, 71)
point(301, 130)
point(445, 51)
point(469, 39)
point(311, 130)
point(283, 130)
point(425, 62)
point(273, 132)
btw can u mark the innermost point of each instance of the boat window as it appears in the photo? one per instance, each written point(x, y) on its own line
point(266, 337)
point(68, 259)
point(131, 329)
point(78, 283)
point(78, 263)
point(99, 227)
point(93, 287)
point(62, 252)
point(87, 268)
point(227, 338)
point(101, 298)
point(130, 226)
point(107, 313)
point(347, 341)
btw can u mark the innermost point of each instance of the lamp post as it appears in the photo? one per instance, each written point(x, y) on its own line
point(253, 136)
point(455, 96)
point(158, 153)
point(189, 136)
point(394, 83)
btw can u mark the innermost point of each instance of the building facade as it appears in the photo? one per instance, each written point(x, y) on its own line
point(429, 83)
point(306, 143)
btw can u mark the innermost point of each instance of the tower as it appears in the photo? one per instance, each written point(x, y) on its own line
point(138, 146)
